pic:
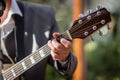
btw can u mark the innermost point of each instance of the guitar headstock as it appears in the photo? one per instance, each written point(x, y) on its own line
point(87, 25)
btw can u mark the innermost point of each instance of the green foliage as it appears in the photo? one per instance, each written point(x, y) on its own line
point(52, 74)
point(103, 59)
point(63, 11)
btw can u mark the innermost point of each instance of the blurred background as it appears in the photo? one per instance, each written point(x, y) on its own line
point(98, 59)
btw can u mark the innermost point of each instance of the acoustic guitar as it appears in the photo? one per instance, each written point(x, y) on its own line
point(81, 28)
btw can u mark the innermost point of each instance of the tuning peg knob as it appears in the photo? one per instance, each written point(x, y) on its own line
point(92, 38)
point(81, 15)
point(98, 7)
point(100, 32)
point(109, 27)
point(89, 11)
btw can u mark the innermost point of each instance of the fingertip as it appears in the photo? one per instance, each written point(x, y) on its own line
point(49, 42)
point(56, 34)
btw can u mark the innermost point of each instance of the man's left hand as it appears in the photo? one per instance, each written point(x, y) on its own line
point(59, 50)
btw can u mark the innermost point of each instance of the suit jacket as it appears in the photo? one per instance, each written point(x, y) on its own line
point(33, 30)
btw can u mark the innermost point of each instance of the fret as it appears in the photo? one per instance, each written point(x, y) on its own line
point(26, 63)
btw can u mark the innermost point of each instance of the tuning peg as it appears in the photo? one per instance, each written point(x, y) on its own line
point(92, 39)
point(98, 7)
point(81, 15)
point(89, 11)
point(109, 27)
point(100, 32)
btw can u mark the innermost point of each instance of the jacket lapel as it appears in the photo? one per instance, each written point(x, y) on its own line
point(19, 22)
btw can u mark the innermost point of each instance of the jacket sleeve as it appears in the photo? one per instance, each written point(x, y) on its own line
point(67, 69)
point(1, 56)
point(1, 66)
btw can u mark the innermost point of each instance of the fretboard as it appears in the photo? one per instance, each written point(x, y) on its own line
point(29, 61)
point(25, 64)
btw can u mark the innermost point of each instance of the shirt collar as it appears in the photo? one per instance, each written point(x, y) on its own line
point(14, 9)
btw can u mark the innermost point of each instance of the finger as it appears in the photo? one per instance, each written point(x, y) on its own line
point(55, 56)
point(56, 44)
point(56, 34)
point(65, 43)
point(52, 45)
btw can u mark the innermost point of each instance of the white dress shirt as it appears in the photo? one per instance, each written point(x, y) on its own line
point(8, 25)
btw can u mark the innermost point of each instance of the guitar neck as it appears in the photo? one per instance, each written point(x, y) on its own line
point(29, 61)
point(25, 64)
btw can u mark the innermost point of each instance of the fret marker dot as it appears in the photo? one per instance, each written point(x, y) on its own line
point(41, 52)
point(13, 72)
point(32, 60)
point(24, 66)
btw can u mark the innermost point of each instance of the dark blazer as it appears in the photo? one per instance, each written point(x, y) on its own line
point(33, 30)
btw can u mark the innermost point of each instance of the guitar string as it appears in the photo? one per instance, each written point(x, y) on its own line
point(93, 15)
point(78, 24)
point(87, 28)
point(84, 19)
